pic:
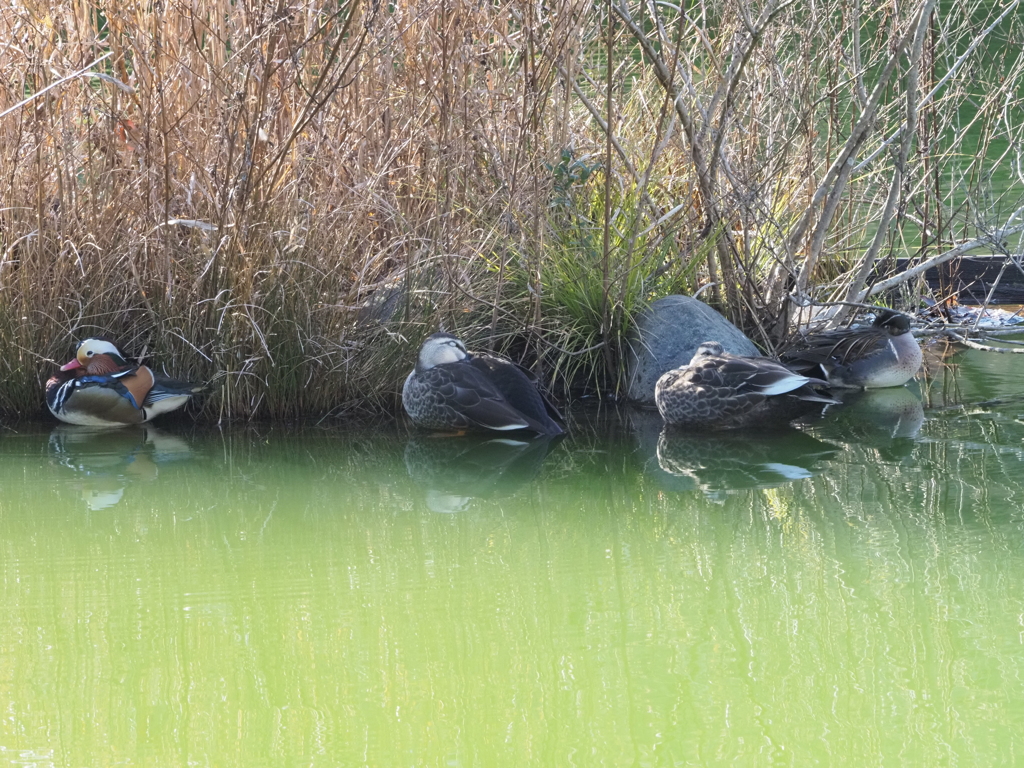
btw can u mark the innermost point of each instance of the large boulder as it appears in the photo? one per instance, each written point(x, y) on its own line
point(667, 334)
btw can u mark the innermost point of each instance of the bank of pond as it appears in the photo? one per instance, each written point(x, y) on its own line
point(700, 372)
point(450, 470)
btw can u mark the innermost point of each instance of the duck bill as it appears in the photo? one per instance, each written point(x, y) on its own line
point(71, 365)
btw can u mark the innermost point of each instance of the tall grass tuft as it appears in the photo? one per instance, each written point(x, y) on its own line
point(288, 197)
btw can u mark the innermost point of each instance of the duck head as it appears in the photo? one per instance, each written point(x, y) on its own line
point(895, 323)
point(439, 349)
point(708, 349)
point(97, 356)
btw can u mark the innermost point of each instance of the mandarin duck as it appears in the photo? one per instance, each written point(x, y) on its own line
point(100, 388)
point(452, 389)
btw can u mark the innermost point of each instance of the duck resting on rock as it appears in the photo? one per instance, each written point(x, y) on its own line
point(884, 354)
point(717, 390)
point(99, 388)
point(452, 389)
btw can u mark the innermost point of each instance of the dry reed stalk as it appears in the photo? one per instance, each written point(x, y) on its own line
point(288, 197)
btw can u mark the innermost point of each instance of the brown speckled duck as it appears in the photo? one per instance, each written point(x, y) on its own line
point(452, 389)
point(884, 354)
point(100, 388)
point(717, 390)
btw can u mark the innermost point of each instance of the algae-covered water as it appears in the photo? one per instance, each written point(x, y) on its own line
point(848, 594)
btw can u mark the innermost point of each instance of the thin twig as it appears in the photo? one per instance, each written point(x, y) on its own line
point(54, 84)
point(983, 347)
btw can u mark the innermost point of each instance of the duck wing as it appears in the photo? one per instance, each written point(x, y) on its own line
point(92, 400)
point(469, 399)
point(750, 376)
point(746, 381)
point(521, 390)
point(164, 387)
point(837, 347)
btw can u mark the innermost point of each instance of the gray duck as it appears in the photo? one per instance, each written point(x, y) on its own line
point(717, 390)
point(884, 354)
point(452, 389)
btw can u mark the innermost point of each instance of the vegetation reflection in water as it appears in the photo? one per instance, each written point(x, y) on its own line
point(851, 594)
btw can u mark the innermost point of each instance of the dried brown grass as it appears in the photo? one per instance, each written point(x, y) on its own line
point(288, 197)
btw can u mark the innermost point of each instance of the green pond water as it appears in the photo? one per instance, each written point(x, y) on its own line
point(848, 594)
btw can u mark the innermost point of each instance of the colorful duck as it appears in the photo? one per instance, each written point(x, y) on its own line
point(717, 390)
point(99, 388)
point(452, 389)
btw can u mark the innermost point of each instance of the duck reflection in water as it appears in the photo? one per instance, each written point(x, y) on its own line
point(888, 420)
point(105, 461)
point(456, 470)
point(722, 462)
point(685, 460)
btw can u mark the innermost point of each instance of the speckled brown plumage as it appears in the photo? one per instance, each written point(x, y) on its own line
point(721, 391)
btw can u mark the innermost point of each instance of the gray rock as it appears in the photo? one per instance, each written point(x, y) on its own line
point(667, 334)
